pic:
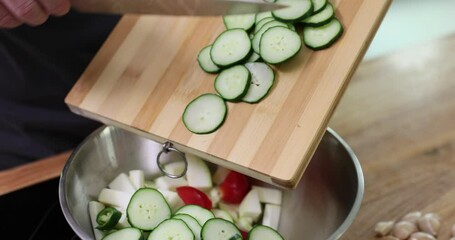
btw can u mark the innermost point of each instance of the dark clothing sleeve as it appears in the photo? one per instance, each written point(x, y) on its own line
point(38, 67)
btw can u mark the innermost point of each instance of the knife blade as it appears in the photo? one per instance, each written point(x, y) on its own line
point(174, 7)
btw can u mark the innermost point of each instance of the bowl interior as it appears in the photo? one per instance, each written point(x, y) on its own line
point(322, 206)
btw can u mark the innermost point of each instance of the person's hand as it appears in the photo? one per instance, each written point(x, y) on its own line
point(32, 12)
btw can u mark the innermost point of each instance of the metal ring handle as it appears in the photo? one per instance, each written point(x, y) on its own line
point(169, 147)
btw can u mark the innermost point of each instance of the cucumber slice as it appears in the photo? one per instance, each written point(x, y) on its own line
point(233, 83)
point(108, 218)
point(219, 229)
point(230, 47)
point(262, 78)
point(205, 61)
point(126, 233)
point(296, 11)
point(257, 37)
point(261, 23)
point(202, 215)
point(243, 21)
point(205, 114)
point(261, 232)
point(236, 237)
point(147, 209)
point(192, 223)
point(291, 26)
point(320, 18)
point(318, 5)
point(279, 44)
point(270, 1)
point(262, 15)
point(254, 57)
point(174, 229)
point(318, 38)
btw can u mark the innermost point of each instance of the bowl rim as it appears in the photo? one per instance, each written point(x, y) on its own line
point(335, 235)
point(360, 188)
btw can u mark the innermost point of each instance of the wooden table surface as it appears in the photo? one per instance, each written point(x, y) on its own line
point(398, 115)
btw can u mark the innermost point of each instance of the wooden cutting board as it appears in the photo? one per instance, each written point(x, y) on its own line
point(146, 73)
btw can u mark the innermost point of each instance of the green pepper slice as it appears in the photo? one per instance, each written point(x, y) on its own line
point(108, 218)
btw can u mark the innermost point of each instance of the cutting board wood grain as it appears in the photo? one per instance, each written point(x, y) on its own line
point(146, 73)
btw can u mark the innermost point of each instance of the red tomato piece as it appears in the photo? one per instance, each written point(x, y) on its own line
point(191, 195)
point(234, 187)
point(244, 234)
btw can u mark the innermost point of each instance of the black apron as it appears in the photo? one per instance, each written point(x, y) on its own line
point(38, 67)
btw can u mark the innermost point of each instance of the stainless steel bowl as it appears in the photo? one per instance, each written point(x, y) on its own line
point(323, 205)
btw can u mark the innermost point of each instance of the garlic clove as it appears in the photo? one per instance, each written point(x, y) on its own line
point(429, 223)
point(404, 229)
point(421, 236)
point(383, 228)
point(412, 217)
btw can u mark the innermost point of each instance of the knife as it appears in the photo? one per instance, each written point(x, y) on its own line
point(174, 7)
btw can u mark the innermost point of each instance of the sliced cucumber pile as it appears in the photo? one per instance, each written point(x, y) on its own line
point(271, 37)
